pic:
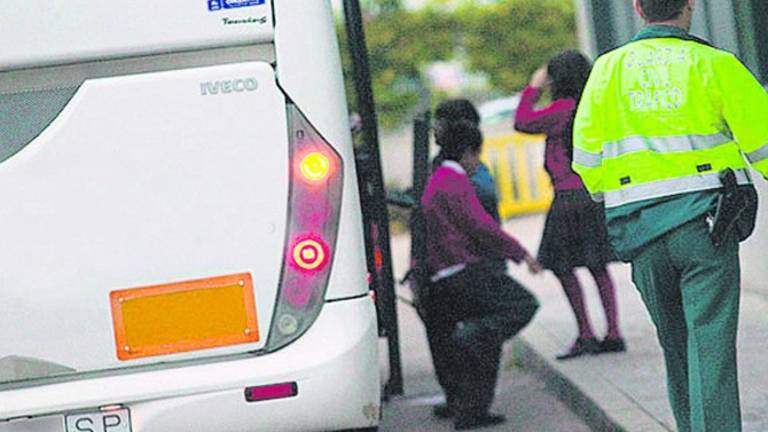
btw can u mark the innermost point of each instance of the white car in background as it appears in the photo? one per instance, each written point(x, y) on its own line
point(497, 116)
point(499, 110)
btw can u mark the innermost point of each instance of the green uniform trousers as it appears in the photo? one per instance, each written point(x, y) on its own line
point(692, 290)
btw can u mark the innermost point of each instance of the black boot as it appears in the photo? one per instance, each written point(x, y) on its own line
point(581, 347)
point(612, 345)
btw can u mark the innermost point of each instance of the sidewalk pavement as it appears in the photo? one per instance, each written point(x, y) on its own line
point(627, 391)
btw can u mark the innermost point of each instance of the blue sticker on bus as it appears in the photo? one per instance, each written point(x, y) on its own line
point(216, 5)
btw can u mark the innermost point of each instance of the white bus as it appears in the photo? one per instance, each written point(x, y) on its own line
point(181, 244)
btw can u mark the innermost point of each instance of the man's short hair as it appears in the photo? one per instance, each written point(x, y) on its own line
point(662, 10)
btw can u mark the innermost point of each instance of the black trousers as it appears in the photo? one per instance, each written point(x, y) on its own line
point(468, 316)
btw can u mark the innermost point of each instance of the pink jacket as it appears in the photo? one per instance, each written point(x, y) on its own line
point(458, 230)
point(554, 121)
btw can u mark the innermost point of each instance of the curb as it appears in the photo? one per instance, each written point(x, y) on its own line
point(584, 389)
point(562, 388)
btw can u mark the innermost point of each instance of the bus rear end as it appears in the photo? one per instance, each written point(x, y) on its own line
point(182, 244)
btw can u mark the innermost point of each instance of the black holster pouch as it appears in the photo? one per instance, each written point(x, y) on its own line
point(735, 211)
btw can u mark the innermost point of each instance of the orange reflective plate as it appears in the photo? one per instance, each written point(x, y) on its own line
point(186, 316)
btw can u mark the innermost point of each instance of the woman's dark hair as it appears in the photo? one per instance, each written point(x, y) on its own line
point(448, 112)
point(453, 110)
point(568, 71)
point(662, 10)
point(455, 138)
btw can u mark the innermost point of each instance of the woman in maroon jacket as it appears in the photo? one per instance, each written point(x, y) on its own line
point(574, 234)
point(472, 308)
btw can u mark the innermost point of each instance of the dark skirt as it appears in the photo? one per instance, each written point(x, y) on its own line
point(575, 234)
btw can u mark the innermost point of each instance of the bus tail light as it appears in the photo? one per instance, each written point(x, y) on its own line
point(310, 255)
point(313, 219)
point(315, 166)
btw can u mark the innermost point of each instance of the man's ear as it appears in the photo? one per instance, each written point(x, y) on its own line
point(639, 9)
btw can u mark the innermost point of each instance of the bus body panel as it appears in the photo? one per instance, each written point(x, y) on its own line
point(157, 174)
point(141, 180)
point(46, 32)
point(333, 366)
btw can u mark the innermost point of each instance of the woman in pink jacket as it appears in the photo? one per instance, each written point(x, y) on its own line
point(472, 308)
point(574, 234)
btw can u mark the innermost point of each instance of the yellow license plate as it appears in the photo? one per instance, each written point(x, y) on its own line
point(184, 316)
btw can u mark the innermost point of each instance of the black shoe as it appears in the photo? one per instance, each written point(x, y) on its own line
point(442, 411)
point(612, 345)
point(478, 421)
point(581, 347)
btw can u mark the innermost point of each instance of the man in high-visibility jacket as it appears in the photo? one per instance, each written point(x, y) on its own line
point(659, 120)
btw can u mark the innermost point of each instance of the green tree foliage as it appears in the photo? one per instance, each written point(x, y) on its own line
point(382, 6)
point(503, 39)
point(400, 43)
point(510, 39)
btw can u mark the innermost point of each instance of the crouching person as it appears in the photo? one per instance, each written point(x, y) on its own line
point(472, 308)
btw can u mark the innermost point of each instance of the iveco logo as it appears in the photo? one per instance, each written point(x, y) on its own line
point(213, 88)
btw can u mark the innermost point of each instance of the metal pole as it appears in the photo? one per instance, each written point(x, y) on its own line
point(421, 154)
point(380, 216)
point(421, 127)
point(361, 162)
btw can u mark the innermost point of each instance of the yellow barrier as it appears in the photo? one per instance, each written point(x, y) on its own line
point(517, 164)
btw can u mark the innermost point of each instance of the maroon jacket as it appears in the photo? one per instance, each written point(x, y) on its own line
point(554, 121)
point(459, 231)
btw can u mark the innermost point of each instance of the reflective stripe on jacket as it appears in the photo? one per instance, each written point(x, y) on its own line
point(663, 116)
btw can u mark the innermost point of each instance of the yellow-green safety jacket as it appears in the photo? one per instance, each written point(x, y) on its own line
point(658, 120)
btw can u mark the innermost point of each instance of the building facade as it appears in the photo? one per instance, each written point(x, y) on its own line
point(739, 26)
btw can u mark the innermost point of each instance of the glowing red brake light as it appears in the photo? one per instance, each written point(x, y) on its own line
point(315, 166)
point(310, 254)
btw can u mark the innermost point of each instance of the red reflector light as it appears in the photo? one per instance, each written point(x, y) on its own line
point(378, 259)
point(310, 254)
point(269, 392)
point(110, 408)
